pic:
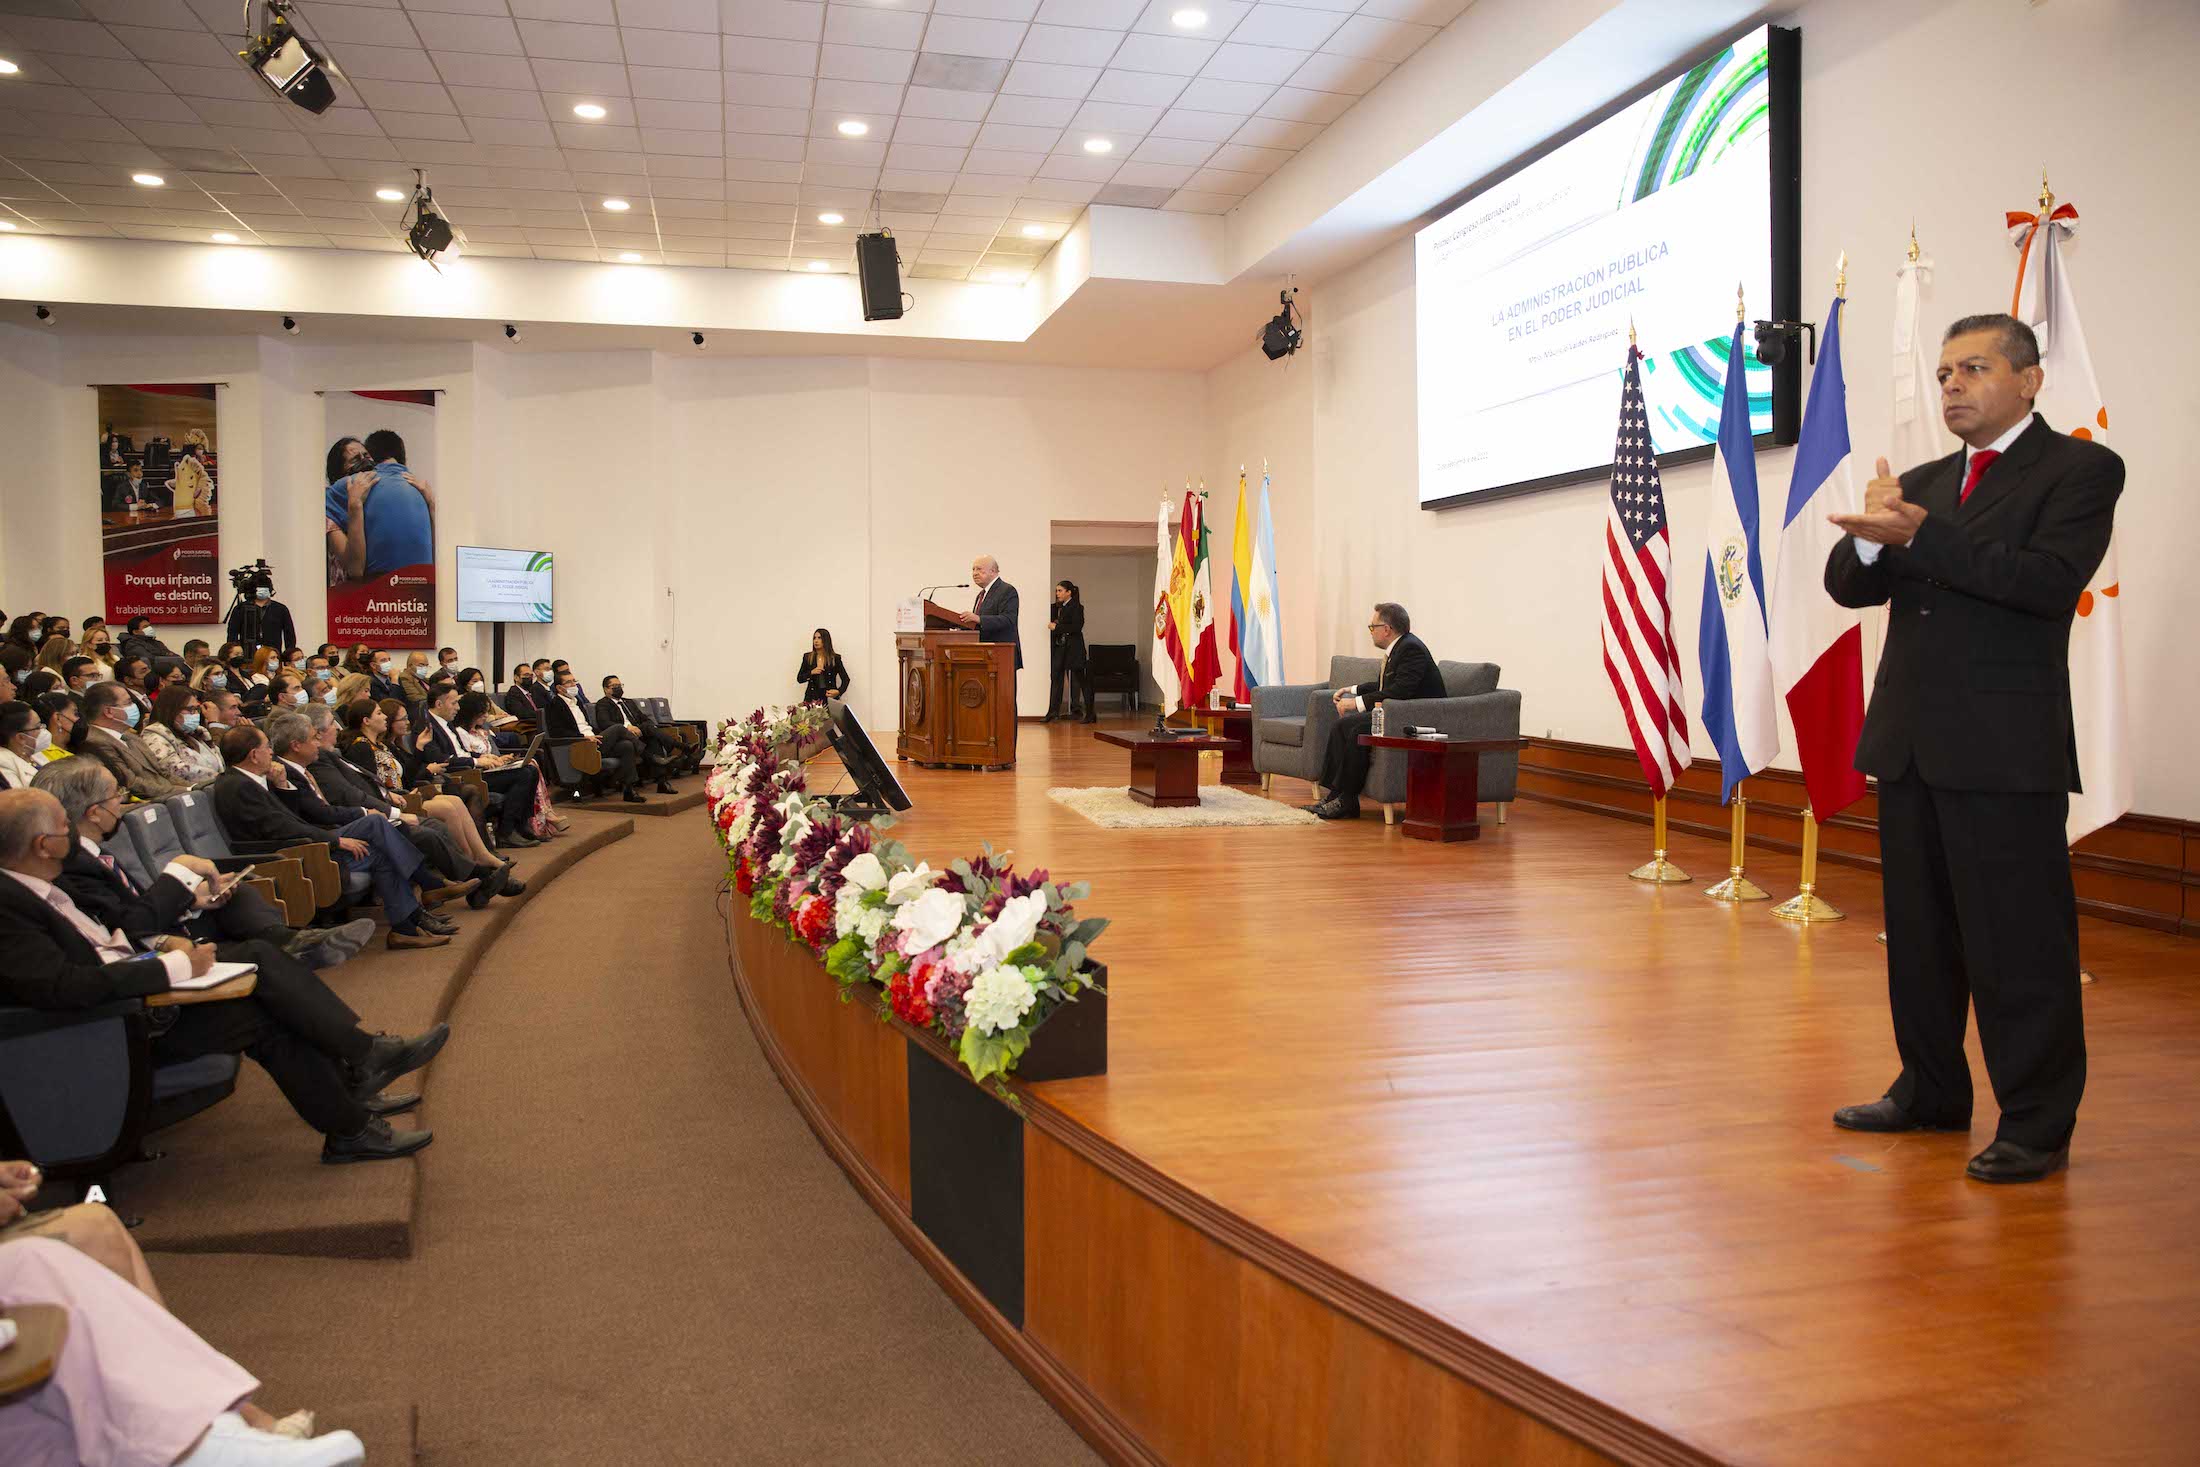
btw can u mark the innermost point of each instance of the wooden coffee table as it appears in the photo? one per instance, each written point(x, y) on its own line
point(1441, 783)
point(1236, 725)
point(1164, 771)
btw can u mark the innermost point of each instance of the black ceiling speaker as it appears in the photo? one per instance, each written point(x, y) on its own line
point(878, 269)
point(1281, 336)
point(299, 74)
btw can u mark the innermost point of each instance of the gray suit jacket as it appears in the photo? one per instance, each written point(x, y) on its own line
point(132, 764)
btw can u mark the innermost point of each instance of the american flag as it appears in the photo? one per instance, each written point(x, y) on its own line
point(1638, 616)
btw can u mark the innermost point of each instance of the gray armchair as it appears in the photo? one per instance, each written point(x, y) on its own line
point(1292, 722)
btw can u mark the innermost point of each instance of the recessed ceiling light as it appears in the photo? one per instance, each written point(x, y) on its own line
point(628, 257)
point(850, 128)
point(1189, 19)
point(223, 236)
point(1099, 145)
point(147, 180)
point(1035, 231)
point(8, 68)
point(588, 111)
point(6, 227)
point(820, 265)
point(390, 195)
point(831, 219)
point(617, 206)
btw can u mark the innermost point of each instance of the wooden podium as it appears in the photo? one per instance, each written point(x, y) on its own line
point(958, 696)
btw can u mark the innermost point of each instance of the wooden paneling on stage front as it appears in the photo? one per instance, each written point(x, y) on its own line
point(1484, 1154)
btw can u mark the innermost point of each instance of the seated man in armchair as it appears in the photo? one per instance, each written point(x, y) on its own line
point(1408, 672)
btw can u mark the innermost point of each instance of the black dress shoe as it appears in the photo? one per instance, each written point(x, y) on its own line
point(390, 1057)
point(376, 1142)
point(664, 787)
point(518, 840)
point(391, 1105)
point(440, 926)
point(491, 884)
point(2006, 1161)
point(512, 887)
point(1884, 1115)
point(1316, 808)
point(1337, 810)
point(634, 797)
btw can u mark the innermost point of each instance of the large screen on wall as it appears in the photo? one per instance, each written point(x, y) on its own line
point(503, 585)
point(1525, 292)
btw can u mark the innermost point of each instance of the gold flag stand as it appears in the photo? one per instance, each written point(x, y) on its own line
point(1657, 868)
point(1806, 906)
point(1737, 887)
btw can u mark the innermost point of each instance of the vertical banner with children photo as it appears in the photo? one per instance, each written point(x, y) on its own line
point(160, 535)
point(378, 512)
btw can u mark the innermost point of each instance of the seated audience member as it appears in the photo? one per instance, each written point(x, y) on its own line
point(131, 674)
point(286, 693)
point(32, 686)
point(195, 652)
point(57, 630)
point(53, 651)
point(446, 661)
point(1408, 671)
point(25, 632)
point(138, 640)
point(414, 770)
point(503, 726)
point(266, 662)
point(381, 667)
point(99, 645)
point(59, 712)
point(15, 659)
point(80, 672)
point(177, 738)
point(20, 732)
point(133, 1386)
point(511, 776)
point(441, 750)
point(224, 711)
point(442, 830)
point(168, 672)
point(211, 676)
point(92, 802)
point(614, 710)
point(351, 687)
point(310, 1044)
point(91, 1228)
point(7, 686)
point(249, 809)
point(412, 683)
point(108, 733)
point(570, 717)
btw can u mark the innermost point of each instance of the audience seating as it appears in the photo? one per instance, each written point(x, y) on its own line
point(202, 835)
point(79, 1091)
point(1292, 722)
point(151, 839)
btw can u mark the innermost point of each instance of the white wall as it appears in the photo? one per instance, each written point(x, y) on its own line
point(1943, 113)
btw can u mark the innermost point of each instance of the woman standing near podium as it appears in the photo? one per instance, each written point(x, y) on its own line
point(1067, 660)
point(822, 674)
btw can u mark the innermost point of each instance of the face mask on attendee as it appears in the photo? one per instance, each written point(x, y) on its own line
point(36, 636)
point(618, 690)
point(382, 665)
point(44, 741)
point(298, 698)
point(329, 696)
point(190, 722)
point(217, 681)
point(262, 594)
point(130, 714)
point(474, 686)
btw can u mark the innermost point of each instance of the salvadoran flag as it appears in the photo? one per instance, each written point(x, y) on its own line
point(1817, 645)
point(1264, 620)
point(1731, 645)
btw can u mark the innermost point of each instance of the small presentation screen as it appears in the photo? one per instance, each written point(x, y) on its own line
point(1523, 294)
point(503, 585)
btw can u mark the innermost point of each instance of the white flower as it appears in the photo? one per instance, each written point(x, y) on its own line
point(847, 911)
point(871, 922)
point(1017, 924)
point(929, 920)
point(864, 873)
point(998, 1000)
point(906, 884)
point(967, 953)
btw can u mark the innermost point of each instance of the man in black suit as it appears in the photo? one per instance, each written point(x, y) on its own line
point(994, 614)
point(614, 710)
point(310, 1044)
point(1408, 672)
point(249, 809)
point(569, 717)
point(298, 739)
point(92, 800)
point(522, 699)
point(1983, 556)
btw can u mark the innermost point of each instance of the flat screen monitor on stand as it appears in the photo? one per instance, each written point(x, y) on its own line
point(877, 790)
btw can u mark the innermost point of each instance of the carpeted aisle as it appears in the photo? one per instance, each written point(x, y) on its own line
point(631, 1248)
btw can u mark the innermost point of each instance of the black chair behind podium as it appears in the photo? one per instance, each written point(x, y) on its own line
point(1115, 670)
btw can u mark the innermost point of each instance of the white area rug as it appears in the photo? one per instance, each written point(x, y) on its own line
point(1218, 805)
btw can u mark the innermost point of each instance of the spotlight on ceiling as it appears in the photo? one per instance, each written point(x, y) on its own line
point(148, 180)
point(44, 315)
point(290, 325)
point(7, 226)
point(588, 111)
point(222, 236)
point(697, 338)
point(832, 219)
point(629, 257)
point(511, 332)
point(1099, 145)
point(854, 129)
point(1035, 231)
point(390, 195)
point(279, 56)
point(1189, 19)
point(7, 67)
point(430, 234)
point(820, 265)
point(617, 206)
point(1281, 336)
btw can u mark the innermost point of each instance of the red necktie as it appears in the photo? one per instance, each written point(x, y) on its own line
point(1979, 461)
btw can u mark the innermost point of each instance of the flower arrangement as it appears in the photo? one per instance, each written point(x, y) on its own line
point(977, 954)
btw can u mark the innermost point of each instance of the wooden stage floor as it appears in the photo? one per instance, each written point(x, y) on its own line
point(1584, 1122)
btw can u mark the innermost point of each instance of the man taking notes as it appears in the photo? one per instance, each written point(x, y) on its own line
point(993, 615)
point(1408, 672)
point(1983, 556)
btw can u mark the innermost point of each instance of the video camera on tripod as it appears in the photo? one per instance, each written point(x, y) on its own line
point(246, 580)
point(244, 614)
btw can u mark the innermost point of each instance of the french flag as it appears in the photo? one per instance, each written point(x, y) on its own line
point(1817, 648)
point(1731, 635)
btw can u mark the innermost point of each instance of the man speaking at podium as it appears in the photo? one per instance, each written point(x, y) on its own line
point(993, 616)
point(1983, 556)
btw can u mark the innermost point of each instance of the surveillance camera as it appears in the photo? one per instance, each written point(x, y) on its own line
point(697, 338)
point(44, 315)
point(290, 325)
point(511, 332)
point(1771, 343)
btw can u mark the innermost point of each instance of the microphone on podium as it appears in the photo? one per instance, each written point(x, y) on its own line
point(944, 586)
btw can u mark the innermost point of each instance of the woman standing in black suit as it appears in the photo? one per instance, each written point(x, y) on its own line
point(822, 674)
point(1066, 628)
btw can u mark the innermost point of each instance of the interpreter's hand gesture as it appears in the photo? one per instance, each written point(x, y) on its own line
point(1888, 518)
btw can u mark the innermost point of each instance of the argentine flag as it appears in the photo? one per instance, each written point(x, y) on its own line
point(1731, 648)
point(1264, 619)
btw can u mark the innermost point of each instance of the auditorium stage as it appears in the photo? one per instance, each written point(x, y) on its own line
point(1484, 1153)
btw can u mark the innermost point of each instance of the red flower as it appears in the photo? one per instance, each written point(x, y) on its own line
point(905, 993)
point(813, 922)
point(744, 876)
